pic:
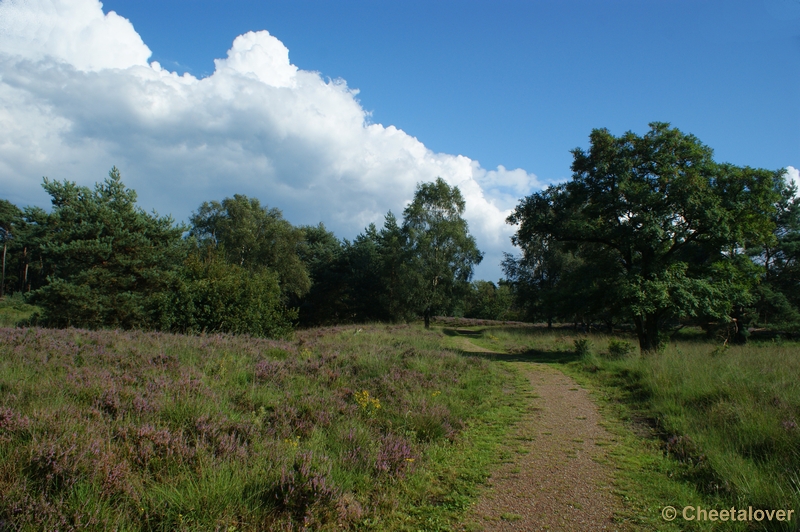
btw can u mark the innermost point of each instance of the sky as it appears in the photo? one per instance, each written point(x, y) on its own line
point(333, 112)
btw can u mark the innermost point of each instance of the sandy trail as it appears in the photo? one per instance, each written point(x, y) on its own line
point(557, 475)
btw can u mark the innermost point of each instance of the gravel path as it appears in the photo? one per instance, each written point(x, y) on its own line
point(556, 475)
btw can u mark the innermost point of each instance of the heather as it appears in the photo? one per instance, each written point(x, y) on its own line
point(337, 428)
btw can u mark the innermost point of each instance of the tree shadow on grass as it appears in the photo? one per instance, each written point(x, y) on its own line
point(531, 356)
point(463, 332)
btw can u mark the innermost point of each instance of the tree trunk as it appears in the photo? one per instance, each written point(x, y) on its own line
point(740, 332)
point(3, 282)
point(427, 316)
point(24, 273)
point(647, 331)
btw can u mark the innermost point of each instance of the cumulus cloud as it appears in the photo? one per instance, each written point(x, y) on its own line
point(793, 176)
point(78, 96)
point(76, 32)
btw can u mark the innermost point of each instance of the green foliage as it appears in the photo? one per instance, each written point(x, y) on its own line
point(442, 252)
point(619, 348)
point(10, 219)
point(14, 310)
point(21, 237)
point(487, 301)
point(360, 281)
point(254, 237)
point(395, 272)
point(214, 296)
point(362, 261)
point(107, 260)
point(656, 227)
point(778, 298)
point(397, 296)
point(549, 283)
point(10, 215)
point(322, 253)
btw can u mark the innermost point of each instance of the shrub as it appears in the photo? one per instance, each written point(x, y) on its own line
point(619, 348)
point(583, 347)
point(214, 296)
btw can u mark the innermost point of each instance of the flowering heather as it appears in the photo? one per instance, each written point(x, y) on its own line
point(130, 430)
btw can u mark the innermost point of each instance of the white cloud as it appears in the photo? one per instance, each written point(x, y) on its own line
point(74, 31)
point(793, 175)
point(78, 96)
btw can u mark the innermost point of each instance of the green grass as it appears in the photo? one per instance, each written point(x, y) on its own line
point(373, 427)
point(698, 423)
point(369, 427)
point(14, 310)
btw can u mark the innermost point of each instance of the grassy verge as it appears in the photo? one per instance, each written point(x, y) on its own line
point(698, 424)
point(344, 428)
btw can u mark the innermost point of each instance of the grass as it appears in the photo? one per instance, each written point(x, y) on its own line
point(369, 428)
point(376, 427)
point(699, 423)
point(14, 310)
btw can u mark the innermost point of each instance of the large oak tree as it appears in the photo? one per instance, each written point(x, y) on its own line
point(661, 225)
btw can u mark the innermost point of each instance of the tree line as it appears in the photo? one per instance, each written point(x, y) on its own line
point(97, 260)
point(650, 232)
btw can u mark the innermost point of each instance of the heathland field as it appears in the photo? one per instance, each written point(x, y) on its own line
point(375, 427)
point(371, 427)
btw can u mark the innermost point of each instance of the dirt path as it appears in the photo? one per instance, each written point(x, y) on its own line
point(556, 475)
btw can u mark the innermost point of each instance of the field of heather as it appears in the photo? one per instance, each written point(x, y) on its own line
point(368, 427)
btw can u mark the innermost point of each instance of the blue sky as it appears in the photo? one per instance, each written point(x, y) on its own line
point(506, 85)
point(521, 83)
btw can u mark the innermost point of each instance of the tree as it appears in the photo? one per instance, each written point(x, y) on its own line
point(322, 254)
point(363, 280)
point(396, 271)
point(778, 297)
point(488, 301)
point(365, 286)
point(659, 224)
point(546, 281)
point(254, 237)
point(442, 251)
point(107, 260)
point(10, 220)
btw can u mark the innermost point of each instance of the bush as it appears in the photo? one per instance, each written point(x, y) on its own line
point(214, 296)
point(619, 348)
point(583, 347)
